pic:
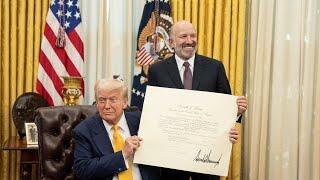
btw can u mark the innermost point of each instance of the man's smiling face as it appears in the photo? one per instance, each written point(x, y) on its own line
point(184, 40)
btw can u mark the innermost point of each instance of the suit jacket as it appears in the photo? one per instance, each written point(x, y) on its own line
point(94, 157)
point(208, 75)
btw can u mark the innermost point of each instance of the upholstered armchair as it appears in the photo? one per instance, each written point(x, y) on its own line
point(56, 145)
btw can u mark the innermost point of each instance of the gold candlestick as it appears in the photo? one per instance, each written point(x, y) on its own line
point(71, 90)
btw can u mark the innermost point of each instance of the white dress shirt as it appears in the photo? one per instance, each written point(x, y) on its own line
point(181, 68)
point(125, 133)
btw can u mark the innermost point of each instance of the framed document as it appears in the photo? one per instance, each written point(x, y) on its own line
point(31, 134)
point(186, 130)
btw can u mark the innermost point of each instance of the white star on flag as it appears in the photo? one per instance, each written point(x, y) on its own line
point(52, 3)
point(59, 13)
point(60, 2)
point(138, 93)
point(77, 15)
point(68, 14)
point(70, 3)
point(67, 24)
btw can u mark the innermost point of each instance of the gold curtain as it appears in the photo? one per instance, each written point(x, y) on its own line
point(21, 26)
point(221, 31)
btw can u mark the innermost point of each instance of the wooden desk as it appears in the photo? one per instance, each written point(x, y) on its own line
point(29, 155)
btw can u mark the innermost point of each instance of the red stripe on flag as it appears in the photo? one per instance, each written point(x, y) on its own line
point(144, 58)
point(144, 53)
point(61, 53)
point(74, 38)
point(41, 90)
point(147, 61)
point(48, 68)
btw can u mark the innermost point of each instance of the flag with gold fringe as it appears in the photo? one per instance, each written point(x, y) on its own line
point(152, 44)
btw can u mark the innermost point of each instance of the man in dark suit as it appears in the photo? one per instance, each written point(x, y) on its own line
point(188, 70)
point(105, 143)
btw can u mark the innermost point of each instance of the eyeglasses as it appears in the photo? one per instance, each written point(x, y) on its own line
point(104, 100)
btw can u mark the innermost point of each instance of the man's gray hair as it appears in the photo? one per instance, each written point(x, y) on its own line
point(110, 85)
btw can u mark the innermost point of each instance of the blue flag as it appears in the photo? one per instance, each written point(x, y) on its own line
point(152, 45)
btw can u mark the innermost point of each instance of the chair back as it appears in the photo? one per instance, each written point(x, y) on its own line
point(56, 145)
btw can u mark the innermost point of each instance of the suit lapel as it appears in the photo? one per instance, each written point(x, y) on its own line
point(198, 68)
point(173, 72)
point(132, 124)
point(101, 138)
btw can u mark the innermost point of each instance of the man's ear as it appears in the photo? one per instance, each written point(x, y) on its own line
point(125, 104)
point(171, 43)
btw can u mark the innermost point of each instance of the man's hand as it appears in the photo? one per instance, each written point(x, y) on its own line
point(233, 135)
point(242, 104)
point(130, 146)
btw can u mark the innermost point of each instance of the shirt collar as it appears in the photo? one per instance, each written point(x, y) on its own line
point(181, 61)
point(121, 123)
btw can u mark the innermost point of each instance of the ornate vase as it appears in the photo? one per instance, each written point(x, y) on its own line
point(71, 90)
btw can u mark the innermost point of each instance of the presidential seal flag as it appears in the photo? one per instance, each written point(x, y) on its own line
point(152, 44)
point(61, 49)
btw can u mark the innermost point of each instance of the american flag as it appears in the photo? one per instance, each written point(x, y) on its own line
point(144, 57)
point(152, 44)
point(56, 62)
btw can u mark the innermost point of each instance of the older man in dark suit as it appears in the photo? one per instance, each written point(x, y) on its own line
point(105, 143)
point(188, 70)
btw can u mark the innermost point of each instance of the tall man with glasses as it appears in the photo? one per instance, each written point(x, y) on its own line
point(105, 143)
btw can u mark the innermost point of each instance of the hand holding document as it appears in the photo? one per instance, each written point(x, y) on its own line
point(186, 130)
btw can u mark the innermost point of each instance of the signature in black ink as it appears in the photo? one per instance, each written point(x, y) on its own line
point(205, 158)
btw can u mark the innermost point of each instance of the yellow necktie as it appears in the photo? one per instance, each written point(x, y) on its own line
point(118, 144)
